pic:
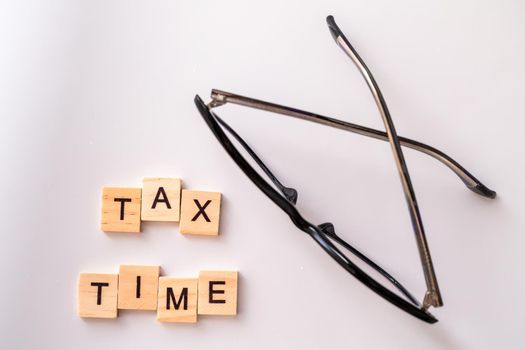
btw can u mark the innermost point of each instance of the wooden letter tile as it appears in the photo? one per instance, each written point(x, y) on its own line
point(138, 287)
point(121, 209)
point(177, 300)
point(97, 295)
point(217, 293)
point(200, 212)
point(160, 199)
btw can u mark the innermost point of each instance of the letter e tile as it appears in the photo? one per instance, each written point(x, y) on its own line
point(217, 293)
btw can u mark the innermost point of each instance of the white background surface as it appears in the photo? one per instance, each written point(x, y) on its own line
point(100, 93)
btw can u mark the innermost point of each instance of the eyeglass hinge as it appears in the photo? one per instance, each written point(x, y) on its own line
point(431, 299)
point(217, 99)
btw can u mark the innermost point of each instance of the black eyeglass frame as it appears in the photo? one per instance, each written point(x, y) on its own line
point(324, 234)
point(319, 234)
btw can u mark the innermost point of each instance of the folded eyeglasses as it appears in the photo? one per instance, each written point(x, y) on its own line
point(324, 234)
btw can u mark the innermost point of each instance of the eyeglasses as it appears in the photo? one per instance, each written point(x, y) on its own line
point(324, 234)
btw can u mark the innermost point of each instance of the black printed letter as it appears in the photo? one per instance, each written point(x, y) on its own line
point(212, 291)
point(99, 290)
point(201, 210)
point(122, 201)
point(164, 198)
point(171, 297)
point(137, 290)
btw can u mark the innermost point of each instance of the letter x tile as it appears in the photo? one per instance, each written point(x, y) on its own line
point(200, 212)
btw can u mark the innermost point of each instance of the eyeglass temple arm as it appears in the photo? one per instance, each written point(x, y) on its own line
point(432, 296)
point(222, 97)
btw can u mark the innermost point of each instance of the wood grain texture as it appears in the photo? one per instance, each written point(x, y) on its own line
point(217, 293)
point(177, 301)
point(97, 301)
point(138, 287)
point(160, 199)
point(200, 212)
point(121, 209)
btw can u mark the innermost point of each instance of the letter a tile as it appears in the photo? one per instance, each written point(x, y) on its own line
point(177, 300)
point(121, 209)
point(160, 199)
point(200, 212)
point(97, 295)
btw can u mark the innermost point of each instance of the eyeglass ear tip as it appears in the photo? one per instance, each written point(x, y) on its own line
point(484, 191)
point(332, 26)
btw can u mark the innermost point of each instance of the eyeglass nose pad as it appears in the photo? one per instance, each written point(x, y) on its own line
point(328, 228)
point(290, 194)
